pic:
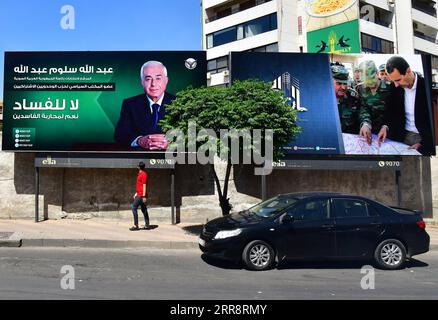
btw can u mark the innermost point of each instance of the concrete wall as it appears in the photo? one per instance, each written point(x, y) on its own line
point(107, 193)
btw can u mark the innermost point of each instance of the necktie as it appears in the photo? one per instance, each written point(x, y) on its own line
point(155, 111)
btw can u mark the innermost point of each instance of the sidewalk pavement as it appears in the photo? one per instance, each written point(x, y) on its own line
point(102, 233)
point(96, 233)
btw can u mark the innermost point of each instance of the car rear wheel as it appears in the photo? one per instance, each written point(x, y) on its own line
point(258, 255)
point(390, 254)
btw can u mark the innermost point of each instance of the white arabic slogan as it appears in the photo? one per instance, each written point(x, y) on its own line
point(66, 70)
point(49, 105)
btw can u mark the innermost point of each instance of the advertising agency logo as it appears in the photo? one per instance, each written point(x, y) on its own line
point(49, 161)
point(191, 63)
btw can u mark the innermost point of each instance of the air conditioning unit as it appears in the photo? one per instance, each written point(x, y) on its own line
point(226, 73)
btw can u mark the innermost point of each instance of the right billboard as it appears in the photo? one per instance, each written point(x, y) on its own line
point(357, 104)
point(332, 26)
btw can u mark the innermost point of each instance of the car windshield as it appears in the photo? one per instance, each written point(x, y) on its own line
point(271, 207)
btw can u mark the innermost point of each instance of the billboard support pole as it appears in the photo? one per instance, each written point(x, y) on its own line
point(172, 196)
point(397, 182)
point(37, 193)
point(263, 187)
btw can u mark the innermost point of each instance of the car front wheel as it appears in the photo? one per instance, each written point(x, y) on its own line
point(390, 254)
point(258, 255)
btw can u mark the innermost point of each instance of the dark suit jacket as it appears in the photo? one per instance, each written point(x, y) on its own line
point(136, 118)
point(395, 117)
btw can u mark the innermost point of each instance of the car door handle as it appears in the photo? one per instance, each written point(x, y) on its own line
point(376, 223)
point(328, 226)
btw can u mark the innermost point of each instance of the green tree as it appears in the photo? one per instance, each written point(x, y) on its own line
point(250, 104)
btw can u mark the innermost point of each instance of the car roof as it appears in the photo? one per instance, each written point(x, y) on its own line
point(307, 195)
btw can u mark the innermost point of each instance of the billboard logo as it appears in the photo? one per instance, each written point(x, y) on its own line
point(152, 161)
point(291, 88)
point(191, 63)
point(49, 161)
point(279, 164)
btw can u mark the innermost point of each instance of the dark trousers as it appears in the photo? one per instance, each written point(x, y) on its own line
point(138, 201)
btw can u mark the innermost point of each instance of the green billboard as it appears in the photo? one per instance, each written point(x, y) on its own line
point(91, 101)
point(337, 39)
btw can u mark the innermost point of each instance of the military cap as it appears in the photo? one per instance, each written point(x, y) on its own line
point(370, 70)
point(382, 67)
point(340, 73)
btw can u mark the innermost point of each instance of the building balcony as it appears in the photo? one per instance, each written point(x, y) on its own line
point(377, 30)
point(425, 19)
point(233, 7)
point(427, 7)
point(425, 44)
point(241, 17)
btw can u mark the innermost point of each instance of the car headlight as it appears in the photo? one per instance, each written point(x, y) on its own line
point(227, 234)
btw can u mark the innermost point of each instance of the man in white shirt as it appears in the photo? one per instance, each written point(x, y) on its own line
point(407, 118)
point(140, 115)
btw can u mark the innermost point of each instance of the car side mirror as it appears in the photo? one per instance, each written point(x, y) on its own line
point(287, 219)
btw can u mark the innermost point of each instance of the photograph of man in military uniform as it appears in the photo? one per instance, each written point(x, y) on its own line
point(354, 118)
point(373, 93)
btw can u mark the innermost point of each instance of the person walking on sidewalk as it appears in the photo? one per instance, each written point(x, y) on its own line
point(140, 198)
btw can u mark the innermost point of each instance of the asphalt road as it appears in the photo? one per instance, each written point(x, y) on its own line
point(35, 273)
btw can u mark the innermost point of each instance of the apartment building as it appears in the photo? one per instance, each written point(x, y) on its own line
point(386, 26)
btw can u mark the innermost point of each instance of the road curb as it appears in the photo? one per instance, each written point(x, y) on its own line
point(87, 243)
point(12, 241)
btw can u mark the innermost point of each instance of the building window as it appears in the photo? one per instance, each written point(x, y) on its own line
point(241, 31)
point(217, 65)
point(373, 44)
point(273, 47)
point(231, 8)
point(300, 25)
point(434, 59)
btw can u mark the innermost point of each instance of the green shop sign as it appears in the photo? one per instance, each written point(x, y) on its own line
point(340, 38)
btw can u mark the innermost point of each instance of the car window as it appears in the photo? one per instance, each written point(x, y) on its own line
point(372, 211)
point(272, 206)
point(350, 208)
point(311, 210)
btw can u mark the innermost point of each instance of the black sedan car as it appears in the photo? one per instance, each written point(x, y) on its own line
point(317, 226)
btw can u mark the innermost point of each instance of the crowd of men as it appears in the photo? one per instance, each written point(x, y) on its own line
point(387, 101)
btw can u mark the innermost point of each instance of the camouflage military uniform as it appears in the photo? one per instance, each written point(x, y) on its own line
point(349, 105)
point(373, 105)
point(349, 111)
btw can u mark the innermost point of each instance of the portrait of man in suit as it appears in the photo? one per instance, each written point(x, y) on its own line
point(139, 116)
point(407, 117)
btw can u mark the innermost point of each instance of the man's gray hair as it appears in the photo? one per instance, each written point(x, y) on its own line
point(152, 64)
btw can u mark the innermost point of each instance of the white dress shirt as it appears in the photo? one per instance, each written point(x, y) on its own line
point(410, 106)
point(151, 102)
point(159, 102)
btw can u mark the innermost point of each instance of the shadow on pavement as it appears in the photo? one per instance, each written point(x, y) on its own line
point(196, 229)
point(220, 263)
point(414, 263)
point(152, 227)
point(290, 264)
